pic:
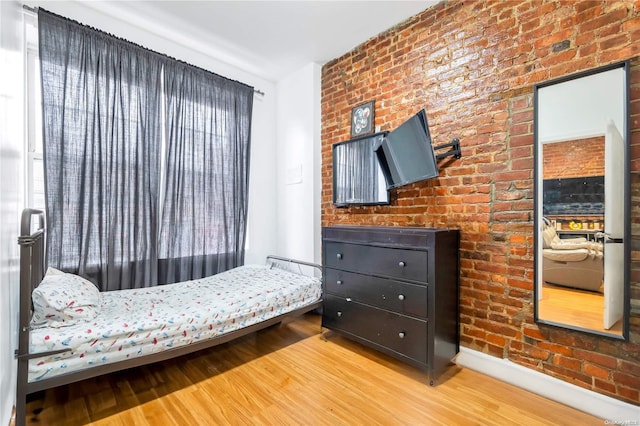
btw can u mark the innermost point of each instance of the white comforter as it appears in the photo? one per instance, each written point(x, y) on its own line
point(135, 323)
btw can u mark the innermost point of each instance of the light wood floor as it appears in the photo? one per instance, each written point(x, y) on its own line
point(291, 374)
point(580, 308)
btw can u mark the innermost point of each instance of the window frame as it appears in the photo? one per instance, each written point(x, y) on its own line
point(33, 115)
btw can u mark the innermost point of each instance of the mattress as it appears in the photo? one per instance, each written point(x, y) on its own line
point(139, 322)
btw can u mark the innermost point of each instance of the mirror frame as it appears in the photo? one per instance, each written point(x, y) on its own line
point(537, 199)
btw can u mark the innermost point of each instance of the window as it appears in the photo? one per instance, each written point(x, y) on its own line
point(34, 157)
point(117, 184)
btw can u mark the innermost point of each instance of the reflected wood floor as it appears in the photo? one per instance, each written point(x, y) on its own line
point(292, 374)
point(575, 307)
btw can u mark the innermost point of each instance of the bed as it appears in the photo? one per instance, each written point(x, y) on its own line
point(69, 331)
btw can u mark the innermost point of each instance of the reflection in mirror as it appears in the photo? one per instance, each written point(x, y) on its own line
point(581, 199)
point(357, 175)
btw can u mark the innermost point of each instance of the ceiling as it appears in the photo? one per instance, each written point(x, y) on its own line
point(267, 38)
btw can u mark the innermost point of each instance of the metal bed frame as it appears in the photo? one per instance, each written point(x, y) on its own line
point(32, 270)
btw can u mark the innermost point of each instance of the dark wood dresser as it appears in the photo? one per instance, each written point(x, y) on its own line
point(394, 289)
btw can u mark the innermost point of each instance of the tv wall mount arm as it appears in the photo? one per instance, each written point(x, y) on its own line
point(454, 151)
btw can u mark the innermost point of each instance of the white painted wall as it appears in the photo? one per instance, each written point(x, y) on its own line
point(298, 164)
point(581, 108)
point(11, 160)
point(283, 218)
point(141, 30)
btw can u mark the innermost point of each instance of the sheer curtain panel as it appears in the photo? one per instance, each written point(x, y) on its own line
point(204, 208)
point(102, 145)
point(129, 205)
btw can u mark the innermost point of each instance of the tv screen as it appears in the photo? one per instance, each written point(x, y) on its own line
point(357, 176)
point(573, 196)
point(406, 154)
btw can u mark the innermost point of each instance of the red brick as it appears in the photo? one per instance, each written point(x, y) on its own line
point(557, 349)
point(570, 363)
point(603, 20)
point(630, 368)
point(626, 380)
point(631, 25)
point(605, 386)
point(487, 101)
point(631, 395)
point(572, 376)
point(619, 40)
point(596, 371)
point(496, 339)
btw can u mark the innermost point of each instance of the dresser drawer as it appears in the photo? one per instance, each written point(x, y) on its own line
point(397, 296)
point(399, 333)
point(374, 260)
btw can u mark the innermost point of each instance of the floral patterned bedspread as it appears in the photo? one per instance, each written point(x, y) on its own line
point(139, 322)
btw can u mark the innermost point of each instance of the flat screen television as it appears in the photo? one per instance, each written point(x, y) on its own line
point(578, 196)
point(357, 175)
point(406, 154)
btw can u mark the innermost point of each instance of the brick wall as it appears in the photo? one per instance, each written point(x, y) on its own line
point(472, 66)
point(575, 158)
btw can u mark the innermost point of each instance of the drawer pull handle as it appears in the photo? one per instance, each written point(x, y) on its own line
point(401, 335)
point(402, 264)
point(401, 297)
point(339, 314)
point(339, 282)
point(339, 256)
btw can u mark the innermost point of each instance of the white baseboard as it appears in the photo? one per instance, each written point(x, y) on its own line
point(611, 410)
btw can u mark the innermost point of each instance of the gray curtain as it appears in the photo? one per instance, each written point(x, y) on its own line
point(204, 208)
point(357, 180)
point(102, 119)
point(102, 132)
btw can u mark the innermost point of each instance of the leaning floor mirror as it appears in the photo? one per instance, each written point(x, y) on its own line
point(582, 199)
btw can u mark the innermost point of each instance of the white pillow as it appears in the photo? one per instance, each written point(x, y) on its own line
point(54, 271)
point(64, 299)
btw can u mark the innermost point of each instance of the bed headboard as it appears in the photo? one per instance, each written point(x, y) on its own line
point(31, 249)
point(31, 265)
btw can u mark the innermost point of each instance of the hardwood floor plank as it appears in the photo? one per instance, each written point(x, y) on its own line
point(575, 307)
point(293, 374)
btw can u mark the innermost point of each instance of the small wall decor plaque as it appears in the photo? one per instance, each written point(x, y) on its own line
point(362, 117)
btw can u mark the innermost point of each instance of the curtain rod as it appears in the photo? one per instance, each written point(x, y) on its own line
point(34, 10)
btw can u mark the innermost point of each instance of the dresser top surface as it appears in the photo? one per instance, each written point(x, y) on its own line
point(395, 236)
point(395, 229)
